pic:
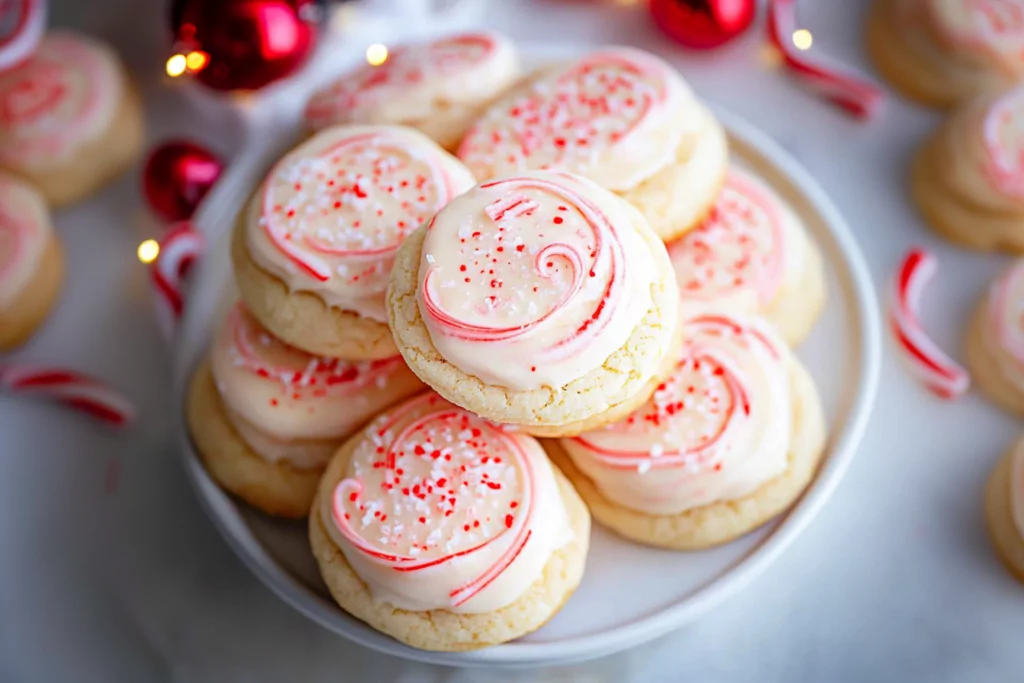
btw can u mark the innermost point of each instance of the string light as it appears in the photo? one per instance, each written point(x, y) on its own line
point(148, 251)
point(196, 60)
point(802, 39)
point(176, 65)
point(376, 54)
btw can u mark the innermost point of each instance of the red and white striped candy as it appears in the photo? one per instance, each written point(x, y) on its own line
point(927, 362)
point(178, 251)
point(832, 81)
point(22, 23)
point(83, 393)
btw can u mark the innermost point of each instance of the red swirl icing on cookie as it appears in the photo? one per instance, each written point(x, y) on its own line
point(300, 375)
point(61, 96)
point(739, 246)
point(992, 26)
point(534, 280)
point(442, 487)
point(691, 414)
point(406, 67)
point(359, 198)
point(600, 249)
point(615, 100)
point(1003, 133)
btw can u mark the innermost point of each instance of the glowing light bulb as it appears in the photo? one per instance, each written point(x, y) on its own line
point(196, 60)
point(802, 39)
point(148, 251)
point(176, 65)
point(376, 54)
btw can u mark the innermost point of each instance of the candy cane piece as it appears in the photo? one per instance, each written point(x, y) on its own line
point(927, 362)
point(25, 21)
point(830, 80)
point(178, 251)
point(85, 394)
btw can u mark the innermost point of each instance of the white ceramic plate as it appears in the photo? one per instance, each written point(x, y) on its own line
point(666, 589)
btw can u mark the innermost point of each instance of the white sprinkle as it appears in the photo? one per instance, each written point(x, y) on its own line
point(657, 450)
point(643, 466)
point(430, 258)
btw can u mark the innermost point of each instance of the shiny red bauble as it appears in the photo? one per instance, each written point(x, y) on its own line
point(177, 176)
point(248, 43)
point(703, 24)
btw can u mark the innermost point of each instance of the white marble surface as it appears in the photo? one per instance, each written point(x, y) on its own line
point(895, 580)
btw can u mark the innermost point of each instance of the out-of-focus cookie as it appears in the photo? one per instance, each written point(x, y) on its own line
point(31, 261)
point(70, 120)
point(1004, 509)
point(439, 87)
point(723, 446)
point(540, 300)
point(314, 248)
point(266, 418)
point(620, 117)
point(752, 255)
point(995, 341)
point(968, 178)
point(942, 52)
point(445, 531)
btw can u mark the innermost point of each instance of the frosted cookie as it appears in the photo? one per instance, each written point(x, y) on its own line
point(31, 262)
point(723, 446)
point(70, 122)
point(314, 248)
point(941, 52)
point(540, 300)
point(752, 255)
point(968, 178)
point(266, 417)
point(446, 532)
point(1004, 509)
point(619, 116)
point(995, 340)
point(438, 87)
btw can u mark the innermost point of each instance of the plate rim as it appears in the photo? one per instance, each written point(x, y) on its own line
point(843, 444)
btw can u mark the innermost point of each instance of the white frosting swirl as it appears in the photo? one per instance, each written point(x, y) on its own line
point(289, 405)
point(440, 509)
point(990, 30)
point(331, 214)
point(63, 97)
point(749, 248)
point(613, 116)
point(534, 280)
point(716, 430)
point(462, 70)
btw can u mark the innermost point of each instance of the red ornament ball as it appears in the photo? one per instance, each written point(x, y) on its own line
point(248, 43)
point(177, 176)
point(703, 24)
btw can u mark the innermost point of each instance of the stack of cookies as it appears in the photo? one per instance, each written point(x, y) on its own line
point(70, 122)
point(943, 52)
point(967, 180)
point(574, 363)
